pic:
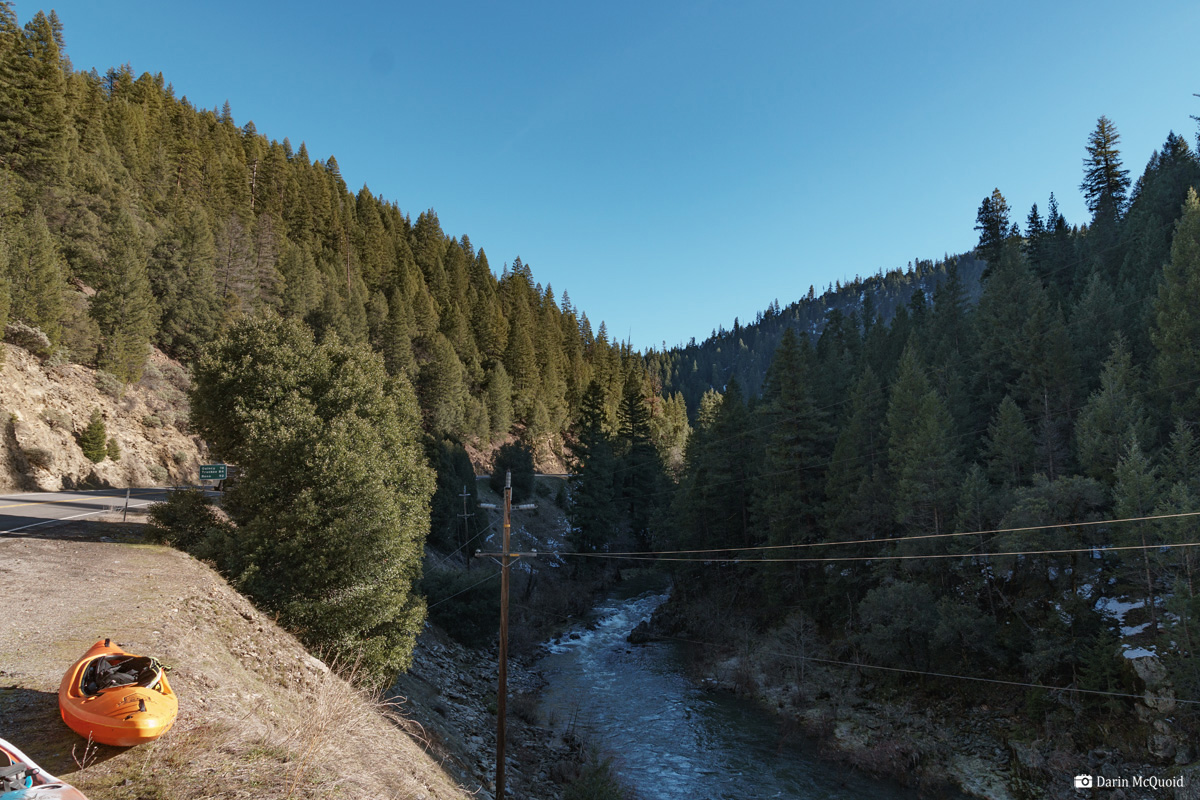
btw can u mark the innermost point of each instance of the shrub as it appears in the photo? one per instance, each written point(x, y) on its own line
point(152, 421)
point(28, 337)
point(187, 520)
point(57, 418)
point(94, 439)
point(517, 457)
point(158, 472)
point(180, 457)
point(39, 457)
point(114, 449)
point(596, 781)
point(109, 384)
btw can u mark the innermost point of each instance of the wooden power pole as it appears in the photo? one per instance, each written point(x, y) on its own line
point(506, 556)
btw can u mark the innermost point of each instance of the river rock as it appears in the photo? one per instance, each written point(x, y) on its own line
point(1190, 790)
point(1162, 743)
point(641, 634)
point(1149, 669)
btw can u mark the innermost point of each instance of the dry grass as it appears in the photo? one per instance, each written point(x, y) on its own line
point(259, 717)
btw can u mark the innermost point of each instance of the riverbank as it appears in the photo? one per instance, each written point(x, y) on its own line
point(927, 733)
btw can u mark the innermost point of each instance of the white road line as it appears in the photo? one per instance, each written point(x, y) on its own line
point(65, 519)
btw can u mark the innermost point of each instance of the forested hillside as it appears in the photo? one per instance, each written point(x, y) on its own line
point(341, 347)
point(964, 489)
point(744, 352)
point(182, 222)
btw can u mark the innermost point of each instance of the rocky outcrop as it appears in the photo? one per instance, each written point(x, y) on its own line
point(45, 406)
point(452, 690)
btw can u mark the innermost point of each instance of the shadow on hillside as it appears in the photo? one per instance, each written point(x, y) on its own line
point(132, 531)
point(33, 724)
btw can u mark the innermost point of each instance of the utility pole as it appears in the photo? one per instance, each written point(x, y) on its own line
point(466, 525)
point(502, 689)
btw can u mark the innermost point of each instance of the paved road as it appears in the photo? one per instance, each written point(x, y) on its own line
point(26, 513)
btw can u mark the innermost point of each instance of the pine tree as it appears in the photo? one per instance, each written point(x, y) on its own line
point(1136, 493)
point(38, 282)
point(993, 225)
point(639, 466)
point(94, 439)
point(1104, 182)
point(790, 495)
point(592, 508)
point(124, 307)
point(33, 122)
point(1176, 332)
point(1009, 445)
point(1110, 415)
point(182, 279)
point(1095, 321)
point(498, 389)
point(333, 548)
point(921, 453)
point(856, 488)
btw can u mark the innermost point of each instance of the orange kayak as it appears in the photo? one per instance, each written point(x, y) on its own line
point(116, 697)
point(21, 778)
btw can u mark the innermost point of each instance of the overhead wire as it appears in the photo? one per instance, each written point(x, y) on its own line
point(463, 591)
point(827, 559)
point(915, 537)
point(455, 551)
point(928, 673)
point(904, 670)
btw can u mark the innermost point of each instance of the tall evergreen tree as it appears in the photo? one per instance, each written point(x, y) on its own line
point(790, 494)
point(1009, 445)
point(1112, 414)
point(124, 307)
point(183, 283)
point(921, 452)
point(640, 468)
point(38, 283)
point(993, 225)
point(593, 496)
point(1176, 331)
point(1105, 182)
point(333, 548)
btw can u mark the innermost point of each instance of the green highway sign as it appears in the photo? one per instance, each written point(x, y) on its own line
point(213, 472)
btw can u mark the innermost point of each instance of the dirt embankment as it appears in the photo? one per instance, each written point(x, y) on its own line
point(259, 717)
point(45, 406)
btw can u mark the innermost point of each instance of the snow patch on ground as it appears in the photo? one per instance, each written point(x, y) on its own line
point(1138, 652)
point(1117, 608)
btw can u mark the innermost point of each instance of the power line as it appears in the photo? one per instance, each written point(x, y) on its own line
point(893, 539)
point(463, 591)
point(828, 559)
point(468, 541)
point(860, 665)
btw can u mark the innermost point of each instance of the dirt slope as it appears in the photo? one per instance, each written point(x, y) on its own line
point(44, 406)
point(259, 717)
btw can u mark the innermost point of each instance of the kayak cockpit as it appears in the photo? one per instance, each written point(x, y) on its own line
point(108, 671)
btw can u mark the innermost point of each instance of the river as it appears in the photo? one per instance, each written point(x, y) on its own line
point(669, 737)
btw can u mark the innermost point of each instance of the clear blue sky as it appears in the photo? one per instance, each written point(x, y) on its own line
point(673, 165)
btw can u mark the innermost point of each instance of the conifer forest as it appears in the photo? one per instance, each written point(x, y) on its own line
point(983, 465)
